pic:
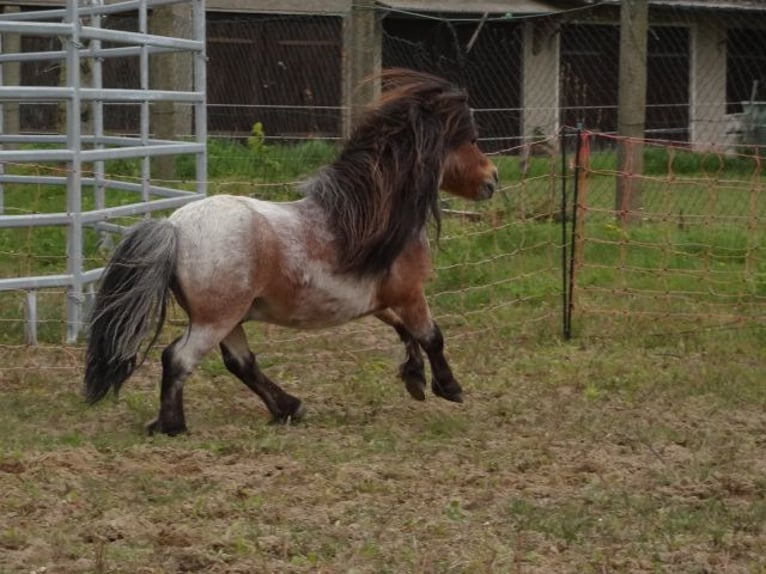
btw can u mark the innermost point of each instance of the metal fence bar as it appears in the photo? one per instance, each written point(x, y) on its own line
point(33, 220)
point(99, 187)
point(36, 28)
point(200, 87)
point(111, 95)
point(74, 173)
point(143, 28)
point(105, 9)
point(2, 130)
point(92, 52)
point(159, 190)
point(88, 139)
point(50, 281)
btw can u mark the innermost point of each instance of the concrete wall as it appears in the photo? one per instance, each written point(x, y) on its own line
point(11, 76)
point(707, 85)
point(540, 81)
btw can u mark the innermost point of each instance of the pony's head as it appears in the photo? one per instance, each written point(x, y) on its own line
point(465, 171)
point(468, 173)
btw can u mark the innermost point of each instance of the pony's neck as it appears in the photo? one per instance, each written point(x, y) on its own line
point(377, 199)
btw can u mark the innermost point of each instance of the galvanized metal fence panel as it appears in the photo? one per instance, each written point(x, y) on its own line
point(79, 27)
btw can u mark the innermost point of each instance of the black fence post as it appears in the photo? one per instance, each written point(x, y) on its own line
point(566, 318)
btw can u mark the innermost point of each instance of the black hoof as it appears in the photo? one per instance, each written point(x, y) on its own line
point(156, 426)
point(296, 414)
point(453, 393)
point(416, 388)
point(414, 382)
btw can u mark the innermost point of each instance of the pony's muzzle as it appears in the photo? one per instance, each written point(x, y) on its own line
point(490, 185)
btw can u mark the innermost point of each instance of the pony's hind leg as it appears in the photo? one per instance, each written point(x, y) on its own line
point(240, 361)
point(416, 317)
point(178, 361)
point(412, 369)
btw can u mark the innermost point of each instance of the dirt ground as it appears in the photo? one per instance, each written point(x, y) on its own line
point(565, 458)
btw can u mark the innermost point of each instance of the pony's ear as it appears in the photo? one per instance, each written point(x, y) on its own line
point(453, 97)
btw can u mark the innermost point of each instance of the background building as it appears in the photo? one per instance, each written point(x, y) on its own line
point(530, 66)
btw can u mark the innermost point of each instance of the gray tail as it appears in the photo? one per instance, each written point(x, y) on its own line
point(134, 292)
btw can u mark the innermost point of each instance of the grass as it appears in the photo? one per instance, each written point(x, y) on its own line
point(588, 457)
point(636, 448)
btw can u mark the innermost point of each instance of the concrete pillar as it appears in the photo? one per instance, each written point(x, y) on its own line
point(11, 76)
point(362, 58)
point(170, 71)
point(540, 80)
point(707, 85)
point(631, 108)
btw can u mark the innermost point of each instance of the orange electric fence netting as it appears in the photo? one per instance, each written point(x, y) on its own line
point(680, 249)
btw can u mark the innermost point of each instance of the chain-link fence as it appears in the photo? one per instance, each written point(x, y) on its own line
point(527, 74)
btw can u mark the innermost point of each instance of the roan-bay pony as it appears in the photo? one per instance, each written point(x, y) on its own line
point(355, 245)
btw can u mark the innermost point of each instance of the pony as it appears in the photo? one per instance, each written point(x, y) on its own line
point(354, 245)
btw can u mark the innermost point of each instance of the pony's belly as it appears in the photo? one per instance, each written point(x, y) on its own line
point(312, 313)
point(316, 301)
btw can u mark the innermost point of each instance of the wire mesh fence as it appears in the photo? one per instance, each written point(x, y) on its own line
point(694, 257)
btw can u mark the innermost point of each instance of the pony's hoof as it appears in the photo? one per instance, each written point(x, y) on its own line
point(454, 394)
point(285, 419)
point(156, 426)
point(414, 382)
point(416, 386)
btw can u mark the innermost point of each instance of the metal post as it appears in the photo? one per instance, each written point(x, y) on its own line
point(30, 318)
point(143, 28)
point(98, 112)
point(2, 131)
point(74, 175)
point(200, 85)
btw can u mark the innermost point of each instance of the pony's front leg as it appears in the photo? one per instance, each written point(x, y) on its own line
point(416, 317)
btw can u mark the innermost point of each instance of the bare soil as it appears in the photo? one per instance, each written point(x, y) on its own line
point(591, 457)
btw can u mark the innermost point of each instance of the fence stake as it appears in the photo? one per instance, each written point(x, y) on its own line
point(582, 158)
point(30, 322)
point(567, 331)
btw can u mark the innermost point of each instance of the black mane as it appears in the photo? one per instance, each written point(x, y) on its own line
point(383, 187)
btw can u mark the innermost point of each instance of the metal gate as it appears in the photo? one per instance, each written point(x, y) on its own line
point(85, 41)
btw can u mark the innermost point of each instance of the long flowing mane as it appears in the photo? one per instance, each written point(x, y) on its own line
point(383, 187)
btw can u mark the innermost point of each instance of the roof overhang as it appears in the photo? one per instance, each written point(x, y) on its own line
point(279, 6)
point(717, 5)
point(476, 6)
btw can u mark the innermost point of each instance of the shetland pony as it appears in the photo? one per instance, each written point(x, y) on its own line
point(355, 245)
